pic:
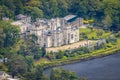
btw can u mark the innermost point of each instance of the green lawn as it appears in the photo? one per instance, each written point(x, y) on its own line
point(94, 54)
point(92, 33)
point(85, 30)
point(118, 44)
point(42, 60)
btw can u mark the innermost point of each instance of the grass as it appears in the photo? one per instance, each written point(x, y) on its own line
point(78, 59)
point(106, 34)
point(85, 30)
point(92, 33)
point(42, 61)
point(3, 67)
point(94, 54)
point(118, 43)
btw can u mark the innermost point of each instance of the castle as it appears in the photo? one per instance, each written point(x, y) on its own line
point(51, 32)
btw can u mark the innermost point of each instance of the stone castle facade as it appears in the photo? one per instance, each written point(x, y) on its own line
point(53, 32)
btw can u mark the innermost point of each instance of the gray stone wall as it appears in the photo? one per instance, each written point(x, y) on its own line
point(54, 32)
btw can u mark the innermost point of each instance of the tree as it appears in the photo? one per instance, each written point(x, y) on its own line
point(9, 36)
point(43, 49)
point(2, 37)
point(38, 53)
point(10, 4)
point(19, 7)
point(54, 8)
point(30, 62)
point(61, 74)
point(36, 74)
point(29, 76)
point(107, 22)
point(31, 47)
point(1, 12)
point(50, 55)
point(34, 12)
point(104, 12)
point(11, 33)
point(33, 3)
point(39, 74)
point(17, 65)
point(63, 10)
point(112, 9)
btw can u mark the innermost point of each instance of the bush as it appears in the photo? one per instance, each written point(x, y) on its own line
point(61, 74)
point(1, 56)
point(118, 34)
point(111, 40)
point(60, 55)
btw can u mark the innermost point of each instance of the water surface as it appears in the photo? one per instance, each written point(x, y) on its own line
point(105, 68)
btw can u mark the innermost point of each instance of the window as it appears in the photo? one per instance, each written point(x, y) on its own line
point(71, 36)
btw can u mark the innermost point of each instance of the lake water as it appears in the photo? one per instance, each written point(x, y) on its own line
point(105, 68)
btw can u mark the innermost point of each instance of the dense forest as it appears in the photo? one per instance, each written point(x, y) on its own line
point(105, 13)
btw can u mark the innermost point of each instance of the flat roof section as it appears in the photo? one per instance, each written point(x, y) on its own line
point(69, 17)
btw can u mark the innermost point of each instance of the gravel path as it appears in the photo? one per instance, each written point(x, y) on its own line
point(70, 46)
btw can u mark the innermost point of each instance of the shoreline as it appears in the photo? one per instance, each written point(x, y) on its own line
point(81, 58)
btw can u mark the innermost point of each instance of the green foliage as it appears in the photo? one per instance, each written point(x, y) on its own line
point(36, 74)
point(3, 67)
point(107, 22)
point(118, 34)
point(39, 73)
point(105, 12)
point(17, 65)
point(99, 33)
point(61, 74)
point(37, 52)
point(30, 47)
point(34, 12)
point(50, 55)
point(20, 56)
point(111, 40)
point(43, 51)
point(19, 7)
point(20, 53)
point(60, 55)
point(88, 33)
point(10, 34)
point(29, 76)
point(30, 62)
point(33, 3)
point(99, 46)
point(84, 49)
